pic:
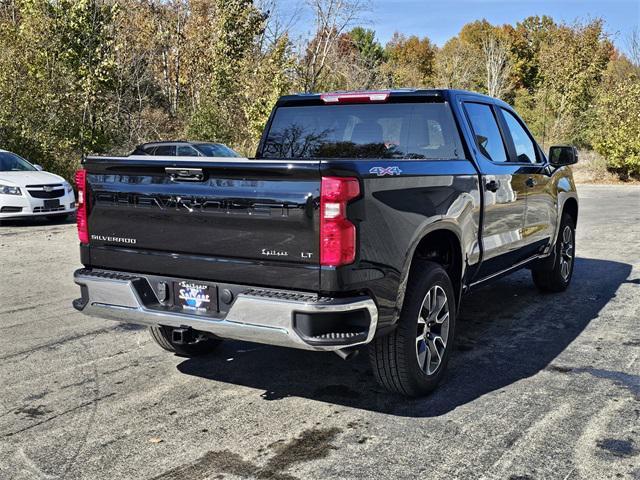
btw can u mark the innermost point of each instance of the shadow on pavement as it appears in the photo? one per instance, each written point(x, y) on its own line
point(38, 221)
point(507, 331)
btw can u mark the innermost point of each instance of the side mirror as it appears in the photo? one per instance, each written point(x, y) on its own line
point(562, 155)
point(39, 167)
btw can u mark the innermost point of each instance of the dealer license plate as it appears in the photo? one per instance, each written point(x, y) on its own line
point(195, 297)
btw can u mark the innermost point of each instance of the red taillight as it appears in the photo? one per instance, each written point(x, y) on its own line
point(337, 233)
point(355, 97)
point(81, 214)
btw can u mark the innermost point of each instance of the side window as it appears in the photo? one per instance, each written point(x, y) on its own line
point(166, 151)
point(525, 149)
point(486, 131)
point(187, 151)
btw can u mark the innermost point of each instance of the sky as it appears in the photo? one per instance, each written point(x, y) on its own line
point(441, 20)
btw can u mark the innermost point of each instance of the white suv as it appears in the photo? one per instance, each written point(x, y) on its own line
point(27, 191)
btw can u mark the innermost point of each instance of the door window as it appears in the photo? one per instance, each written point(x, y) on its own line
point(486, 131)
point(166, 150)
point(525, 149)
point(187, 151)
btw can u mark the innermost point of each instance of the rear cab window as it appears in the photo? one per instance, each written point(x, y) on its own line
point(421, 131)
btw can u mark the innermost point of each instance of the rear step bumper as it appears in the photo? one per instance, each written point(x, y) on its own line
point(274, 317)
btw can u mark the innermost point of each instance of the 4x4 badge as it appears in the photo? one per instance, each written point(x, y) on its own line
point(382, 171)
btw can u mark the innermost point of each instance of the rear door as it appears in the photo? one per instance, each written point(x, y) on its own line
point(504, 191)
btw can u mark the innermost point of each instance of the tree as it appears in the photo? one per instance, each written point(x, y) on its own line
point(142, 94)
point(370, 50)
point(455, 65)
point(477, 59)
point(572, 63)
point(633, 46)
point(271, 79)
point(368, 55)
point(218, 108)
point(410, 61)
point(617, 133)
point(56, 77)
point(496, 60)
point(525, 40)
point(332, 18)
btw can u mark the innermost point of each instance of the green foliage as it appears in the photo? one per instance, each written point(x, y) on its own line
point(525, 40)
point(57, 69)
point(271, 80)
point(616, 132)
point(572, 63)
point(368, 47)
point(100, 76)
point(410, 61)
point(216, 116)
point(457, 64)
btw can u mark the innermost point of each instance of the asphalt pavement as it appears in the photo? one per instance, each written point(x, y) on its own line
point(539, 387)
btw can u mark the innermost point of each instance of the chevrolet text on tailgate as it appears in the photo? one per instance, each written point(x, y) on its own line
point(362, 221)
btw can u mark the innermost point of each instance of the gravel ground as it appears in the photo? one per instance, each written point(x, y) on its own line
point(541, 386)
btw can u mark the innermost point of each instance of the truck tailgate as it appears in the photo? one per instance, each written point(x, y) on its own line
point(241, 214)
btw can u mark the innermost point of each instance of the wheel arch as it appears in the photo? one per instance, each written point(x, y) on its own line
point(570, 206)
point(440, 243)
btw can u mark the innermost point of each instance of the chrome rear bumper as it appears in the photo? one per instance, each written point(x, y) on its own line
point(256, 315)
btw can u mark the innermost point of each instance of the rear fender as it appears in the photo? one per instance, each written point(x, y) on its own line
point(410, 258)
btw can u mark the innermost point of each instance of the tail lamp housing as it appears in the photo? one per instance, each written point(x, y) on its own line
point(337, 233)
point(81, 213)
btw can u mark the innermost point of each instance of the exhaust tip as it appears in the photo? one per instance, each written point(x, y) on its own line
point(347, 353)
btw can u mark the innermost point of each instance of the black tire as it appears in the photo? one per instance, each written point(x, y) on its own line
point(554, 275)
point(394, 357)
point(200, 346)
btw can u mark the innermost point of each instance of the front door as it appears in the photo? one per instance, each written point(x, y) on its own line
point(540, 213)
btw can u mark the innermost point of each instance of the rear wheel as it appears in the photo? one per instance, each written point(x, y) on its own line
point(556, 276)
point(413, 358)
point(196, 343)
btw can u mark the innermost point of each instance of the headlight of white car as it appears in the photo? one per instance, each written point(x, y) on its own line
point(9, 190)
point(68, 187)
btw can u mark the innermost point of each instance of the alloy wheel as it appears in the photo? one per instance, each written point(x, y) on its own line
point(433, 330)
point(566, 253)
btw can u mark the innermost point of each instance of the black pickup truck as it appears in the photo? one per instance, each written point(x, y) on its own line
point(362, 220)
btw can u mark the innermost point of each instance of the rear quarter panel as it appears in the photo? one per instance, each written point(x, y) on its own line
point(394, 213)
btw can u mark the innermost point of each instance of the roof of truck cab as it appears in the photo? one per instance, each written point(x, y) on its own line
point(445, 93)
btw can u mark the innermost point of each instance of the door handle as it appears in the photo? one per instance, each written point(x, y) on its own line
point(185, 174)
point(531, 182)
point(492, 186)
